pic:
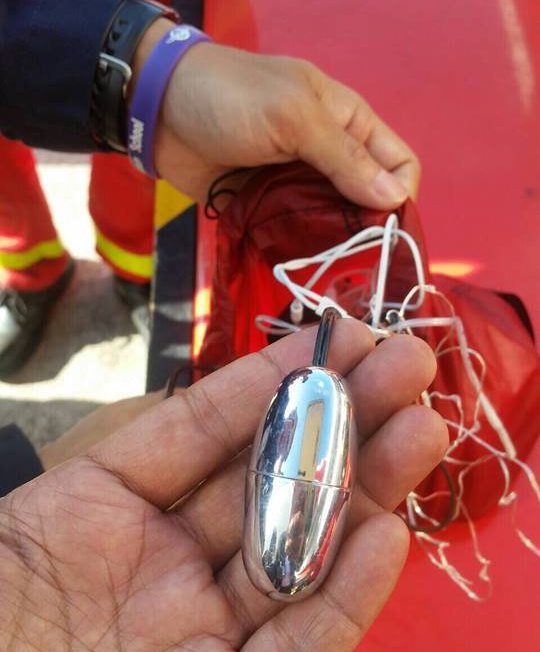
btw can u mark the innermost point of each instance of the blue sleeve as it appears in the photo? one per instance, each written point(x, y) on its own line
point(48, 55)
point(19, 462)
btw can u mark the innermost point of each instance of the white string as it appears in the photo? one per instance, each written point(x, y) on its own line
point(387, 318)
point(377, 301)
point(372, 237)
point(273, 326)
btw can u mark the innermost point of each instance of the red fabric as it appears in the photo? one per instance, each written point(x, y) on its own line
point(121, 204)
point(512, 384)
point(25, 219)
point(291, 211)
point(285, 212)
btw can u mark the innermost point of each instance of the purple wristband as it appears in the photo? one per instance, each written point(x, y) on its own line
point(149, 92)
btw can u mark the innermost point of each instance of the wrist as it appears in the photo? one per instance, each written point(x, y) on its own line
point(148, 42)
point(121, 39)
point(157, 62)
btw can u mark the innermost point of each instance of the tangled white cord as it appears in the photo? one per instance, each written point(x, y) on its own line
point(386, 318)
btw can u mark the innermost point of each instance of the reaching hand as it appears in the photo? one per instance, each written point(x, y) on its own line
point(92, 558)
point(227, 108)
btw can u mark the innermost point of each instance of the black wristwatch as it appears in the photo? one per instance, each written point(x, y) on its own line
point(108, 115)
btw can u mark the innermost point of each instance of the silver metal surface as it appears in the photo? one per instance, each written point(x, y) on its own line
point(307, 431)
point(299, 484)
point(106, 60)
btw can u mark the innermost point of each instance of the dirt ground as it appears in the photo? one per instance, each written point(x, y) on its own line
point(91, 354)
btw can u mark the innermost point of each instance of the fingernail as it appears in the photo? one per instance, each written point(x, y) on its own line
point(389, 188)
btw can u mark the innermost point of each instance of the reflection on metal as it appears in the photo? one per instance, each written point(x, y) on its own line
point(311, 440)
point(299, 484)
point(519, 50)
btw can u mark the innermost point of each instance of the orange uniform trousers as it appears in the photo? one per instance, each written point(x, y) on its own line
point(121, 204)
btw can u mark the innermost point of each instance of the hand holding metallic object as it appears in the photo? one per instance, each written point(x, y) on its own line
point(300, 479)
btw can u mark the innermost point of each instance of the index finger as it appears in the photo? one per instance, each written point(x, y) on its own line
point(173, 447)
point(360, 121)
point(394, 155)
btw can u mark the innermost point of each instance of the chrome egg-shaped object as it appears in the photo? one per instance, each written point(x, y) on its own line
point(299, 484)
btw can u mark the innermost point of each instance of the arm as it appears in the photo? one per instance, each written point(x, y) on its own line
point(48, 55)
point(224, 108)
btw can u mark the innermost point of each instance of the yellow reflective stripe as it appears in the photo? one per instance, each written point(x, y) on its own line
point(137, 264)
point(47, 250)
point(169, 204)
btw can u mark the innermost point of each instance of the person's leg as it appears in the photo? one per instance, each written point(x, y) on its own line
point(31, 255)
point(122, 207)
point(34, 267)
point(122, 202)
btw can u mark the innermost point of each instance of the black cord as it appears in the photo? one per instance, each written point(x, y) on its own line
point(214, 192)
point(328, 319)
point(451, 514)
point(173, 378)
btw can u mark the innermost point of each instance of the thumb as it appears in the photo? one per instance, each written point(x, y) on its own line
point(329, 148)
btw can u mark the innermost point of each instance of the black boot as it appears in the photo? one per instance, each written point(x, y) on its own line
point(136, 296)
point(23, 316)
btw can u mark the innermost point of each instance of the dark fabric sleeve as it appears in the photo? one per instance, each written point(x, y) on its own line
point(19, 462)
point(48, 55)
point(190, 10)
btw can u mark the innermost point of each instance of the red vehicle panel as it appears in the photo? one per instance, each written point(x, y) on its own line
point(459, 81)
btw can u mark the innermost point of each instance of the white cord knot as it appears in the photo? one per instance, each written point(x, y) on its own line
point(327, 302)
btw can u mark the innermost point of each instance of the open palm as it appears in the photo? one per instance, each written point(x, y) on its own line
point(93, 556)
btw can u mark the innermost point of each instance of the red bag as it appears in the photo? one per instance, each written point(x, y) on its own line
point(291, 211)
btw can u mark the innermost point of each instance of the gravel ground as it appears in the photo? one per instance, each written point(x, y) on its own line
point(90, 354)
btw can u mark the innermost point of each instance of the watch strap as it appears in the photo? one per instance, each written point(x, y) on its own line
point(113, 72)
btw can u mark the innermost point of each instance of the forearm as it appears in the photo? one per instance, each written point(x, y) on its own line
point(48, 56)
